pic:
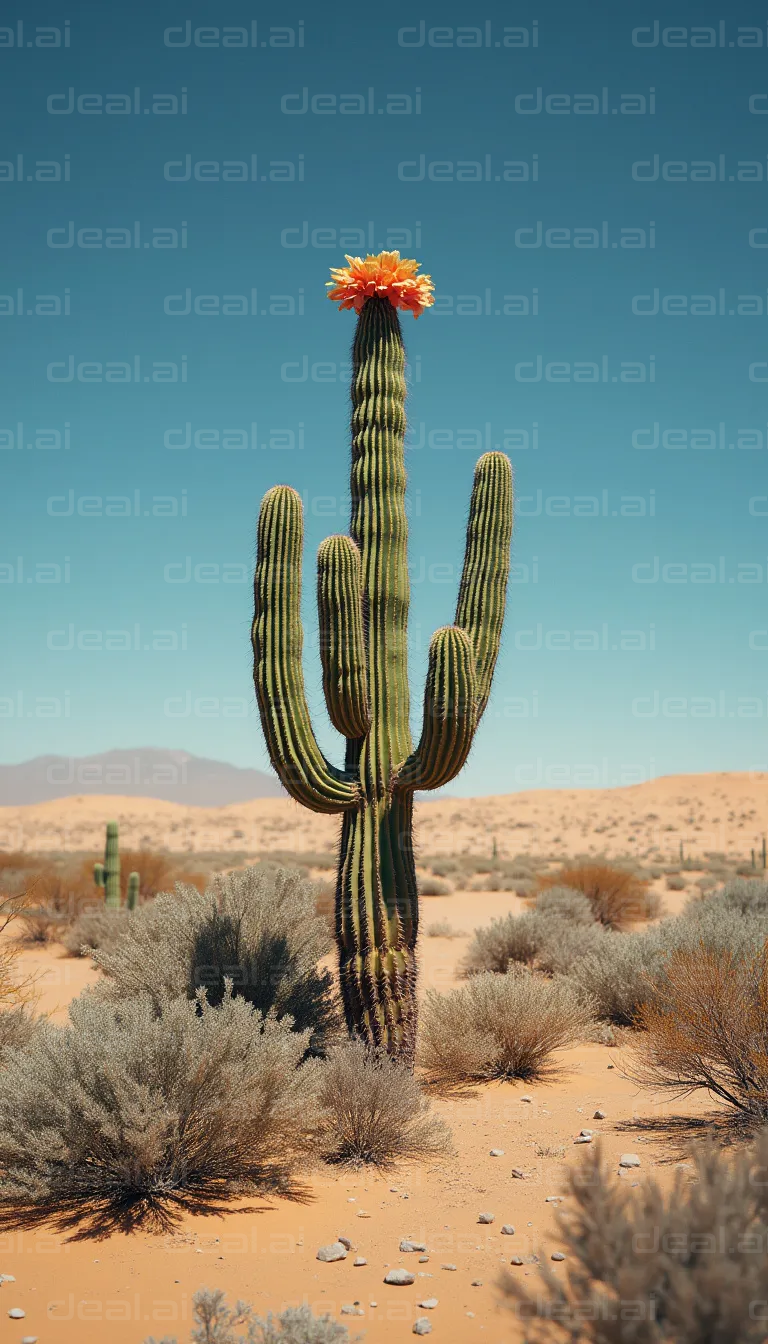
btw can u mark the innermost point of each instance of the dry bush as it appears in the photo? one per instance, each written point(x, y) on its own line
point(617, 896)
point(706, 1028)
point(15, 989)
point(256, 927)
point(127, 1115)
point(17, 1027)
point(374, 1112)
point(743, 896)
point(96, 929)
point(433, 886)
point(676, 883)
point(649, 1266)
point(216, 1322)
point(38, 926)
point(553, 936)
point(442, 929)
point(499, 1026)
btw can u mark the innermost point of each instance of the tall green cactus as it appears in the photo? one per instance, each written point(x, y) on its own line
point(107, 874)
point(132, 891)
point(363, 596)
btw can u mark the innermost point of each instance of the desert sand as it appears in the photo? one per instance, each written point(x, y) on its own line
point(709, 812)
point(121, 1290)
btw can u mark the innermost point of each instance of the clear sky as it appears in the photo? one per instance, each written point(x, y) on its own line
point(587, 185)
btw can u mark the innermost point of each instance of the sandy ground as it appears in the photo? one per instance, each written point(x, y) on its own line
point(126, 1288)
point(714, 812)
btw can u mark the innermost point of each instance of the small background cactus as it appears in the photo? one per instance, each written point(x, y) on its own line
point(107, 874)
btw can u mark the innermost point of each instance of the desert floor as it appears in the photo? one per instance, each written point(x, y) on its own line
point(709, 812)
point(127, 1287)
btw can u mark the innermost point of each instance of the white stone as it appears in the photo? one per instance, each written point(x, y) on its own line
point(400, 1277)
point(497, 1152)
point(557, 1255)
point(422, 1326)
point(345, 1242)
point(507, 1230)
point(336, 1251)
point(583, 1138)
point(599, 1115)
point(16, 1314)
point(629, 1160)
point(429, 1303)
point(360, 1260)
point(485, 1217)
point(406, 1245)
point(352, 1309)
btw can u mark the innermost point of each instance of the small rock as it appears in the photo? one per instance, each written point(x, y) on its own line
point(400, 1277)
point(16, 1314)
point(336, 1251)
point(423, 1259)
point(553, 1199)
point(373, 1304)
point(471, 1315)
point(452, 1267)
point(586, 1133)
point(359, 1260)
point(516, 1260)
point(497, 1152)
point(7, 1278)
point(361, 1214)
point(422, 1326)
point(429, 1303)
point(406, 1245)
point(557, 1255)
point(583, 1138)
point(507, 1230)
point(610, 1066)
point(29, 1339)
point(519, 1174)
point(477, 1283)
point(526, 1098)
point(629, 1160)
point(344, 1241)
point(485, 1217)
point(351, 1309)
point(599, 1115)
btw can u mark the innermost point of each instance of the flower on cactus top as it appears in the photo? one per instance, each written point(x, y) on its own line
point(386, 276)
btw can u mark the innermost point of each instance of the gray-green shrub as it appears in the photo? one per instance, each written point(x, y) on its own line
point(131, 1114)
point(257, 927)
point(216, 1323)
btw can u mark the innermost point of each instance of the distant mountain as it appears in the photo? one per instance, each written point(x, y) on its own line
point(145, 772)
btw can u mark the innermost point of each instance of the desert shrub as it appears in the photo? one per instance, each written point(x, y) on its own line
point(96, 929)
point(565, 903)
point(442, 929)
point(37, 925)
point(675, 883)
point(515, 938)
point(374, 1112)
point(17, 1027)
point(616, 895)
point(434, 886)
point(678, 1260)
point(555, 934)
point(128, 1114)
point(15, 989)
point(744, 896)
point(617, 977)
point(216, 1322)
point(257, 927)
point(706, 1029)
point(499, 1026)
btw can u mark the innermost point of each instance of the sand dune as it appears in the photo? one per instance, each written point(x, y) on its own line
point(708, 812)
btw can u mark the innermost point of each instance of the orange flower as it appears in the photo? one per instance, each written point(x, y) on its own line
point(386, 276)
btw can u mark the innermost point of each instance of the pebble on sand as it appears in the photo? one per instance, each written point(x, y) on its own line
point(400, 1277)
point(485, 1217)
point(422, 1326)
point(429, 1303)
point(557, 1255)
point(516, 1260)
point(407, 1245)
point(344, 1241)
point(16, 1314)
point(360, 1260)
point(583, 1138)
point(526, 1098)
point(629, 1160)
point(452, 1267)
point(497, 1152)
point(507, 1230)
point(351, 1309)
point(599, 1115)
point(336, 1251)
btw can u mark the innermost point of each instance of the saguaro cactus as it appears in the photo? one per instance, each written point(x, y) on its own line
point(363, 595)
point(132, 891)
point(107, 874)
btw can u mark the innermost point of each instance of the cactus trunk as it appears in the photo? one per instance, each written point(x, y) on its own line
point(363, 596)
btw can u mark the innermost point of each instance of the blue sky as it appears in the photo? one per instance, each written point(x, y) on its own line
point(602, 312)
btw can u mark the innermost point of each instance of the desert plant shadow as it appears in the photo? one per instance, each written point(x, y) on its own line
point(683, 1131)
point(97, 1219)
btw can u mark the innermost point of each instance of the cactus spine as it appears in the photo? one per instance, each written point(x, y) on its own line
point(132, 892)
point(363, 596)
point(107, 874)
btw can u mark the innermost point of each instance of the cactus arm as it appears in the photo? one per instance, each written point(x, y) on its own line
point(482, 594)
point(449, 713)
point(342, 642)
point(112, 868)
point(98, 874)
point(277, 670)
